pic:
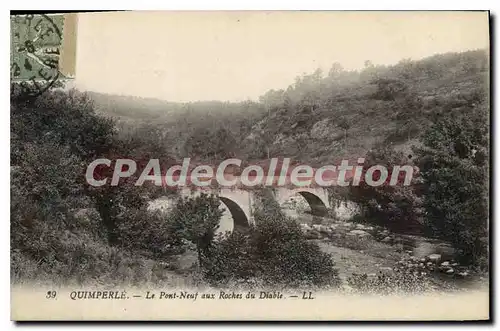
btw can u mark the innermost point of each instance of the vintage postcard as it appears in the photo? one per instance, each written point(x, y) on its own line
point(250, 165)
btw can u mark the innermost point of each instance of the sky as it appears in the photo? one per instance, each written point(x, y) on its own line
point(235, 56)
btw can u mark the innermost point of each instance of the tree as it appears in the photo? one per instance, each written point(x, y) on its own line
point(272, 98)
point(311, 100)
point(389, 89)
point(344, 125)
point(454, 167)
point(210, 143)
point(64, 118)
point(396, 207)
point(196, 220)
point(335, 70)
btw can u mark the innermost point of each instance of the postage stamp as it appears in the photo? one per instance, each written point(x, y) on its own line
point(286, 165)
point(39, 54)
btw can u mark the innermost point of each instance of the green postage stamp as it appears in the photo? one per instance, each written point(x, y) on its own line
point(37, 51)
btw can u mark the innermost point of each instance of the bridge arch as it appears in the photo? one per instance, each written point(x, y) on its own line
point(240, 219)
point(316, 198)
point(236, 202)
point(318, 207)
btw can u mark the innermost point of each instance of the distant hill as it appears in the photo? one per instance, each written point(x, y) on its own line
point(129, 108)
point(321, 117)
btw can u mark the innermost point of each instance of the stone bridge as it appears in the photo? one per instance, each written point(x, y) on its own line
point(241, 203)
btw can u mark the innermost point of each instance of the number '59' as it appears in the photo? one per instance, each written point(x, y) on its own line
point(51, 295)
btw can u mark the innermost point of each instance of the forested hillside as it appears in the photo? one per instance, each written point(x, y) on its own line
point(321, 117)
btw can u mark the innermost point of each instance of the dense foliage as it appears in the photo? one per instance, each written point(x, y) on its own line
point(396, 207)
point(196, 220)
point(273, 252)
point(455, 170)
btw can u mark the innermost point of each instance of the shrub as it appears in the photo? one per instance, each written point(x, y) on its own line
point(196, 220)
point(149, 233)
point(273, 252)
point(62, 118)
point(231, 260)
point(43, 197)
point(396, 207)
point(77, 258)
point(389, 89)
point(60, 228)
point(454, 167)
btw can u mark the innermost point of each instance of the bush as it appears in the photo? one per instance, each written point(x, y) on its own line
point(77, 258)
point(63, 118)
point(454, 167)
point(193, 220)
point(43, 198)
point(230, 260)
point(389, 89)
point(396, 207)
point(196, 220)
point(149, 233)
point(274, 252)
point(60, 228)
